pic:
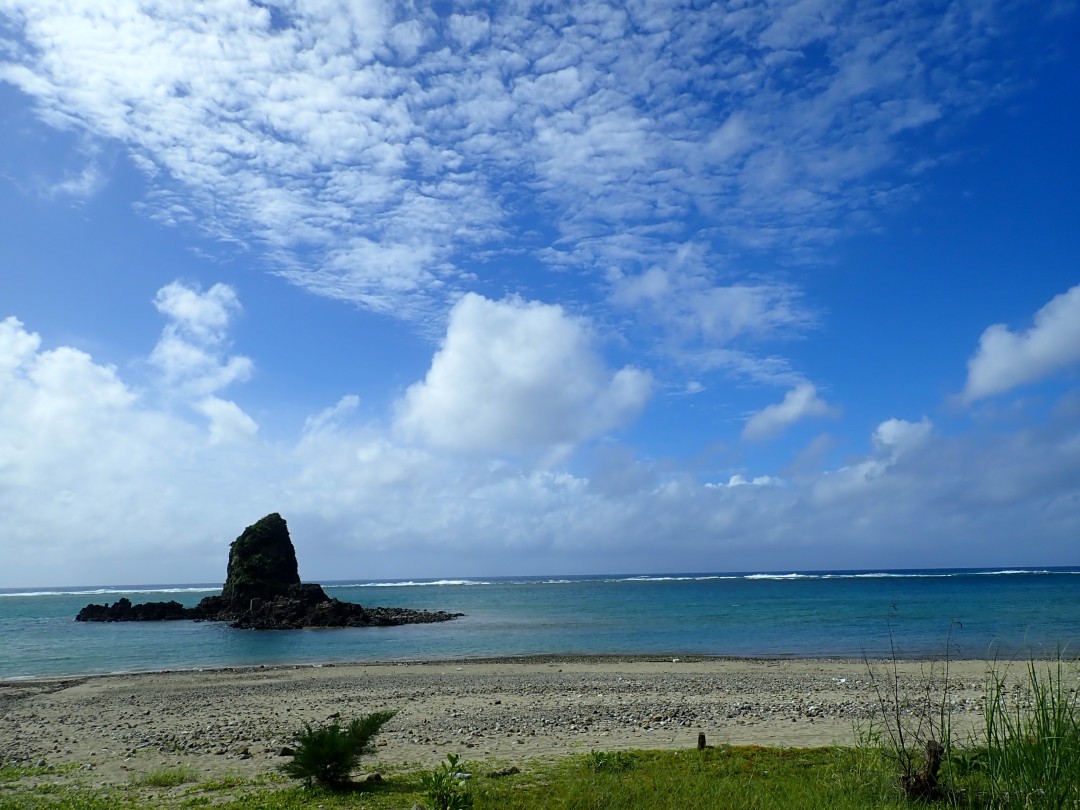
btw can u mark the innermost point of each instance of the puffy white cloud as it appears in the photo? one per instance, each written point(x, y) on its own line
point(191, 352)
point(801, 402)
point(90, 472)
point(16, 345)
point(205, 316)
point(100, 484)
point(516, 376)
point(1006, 360)
point(895, 437)
point(228, 422)
point(892, 440)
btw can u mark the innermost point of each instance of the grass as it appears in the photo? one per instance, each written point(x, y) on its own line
point(166, 777)
point(729, 777)
point(1032, 745)
point(716, 777)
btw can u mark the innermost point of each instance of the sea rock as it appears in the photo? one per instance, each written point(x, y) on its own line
point(263, 591)
point(262, 564)
point(123, 611)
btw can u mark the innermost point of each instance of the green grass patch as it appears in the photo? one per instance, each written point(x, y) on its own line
point(749, 777)
point(716, 777)
point(166, 777)
point(13, 773)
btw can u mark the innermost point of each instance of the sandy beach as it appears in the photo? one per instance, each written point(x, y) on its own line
point(236, 721)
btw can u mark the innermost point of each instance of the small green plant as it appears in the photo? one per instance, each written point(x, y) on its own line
point(610, 761)
point(1032, 754)
point(445, 786)
point(328, 754)
point(166, 777)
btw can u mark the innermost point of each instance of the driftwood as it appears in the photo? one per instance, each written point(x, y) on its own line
point(923, 784)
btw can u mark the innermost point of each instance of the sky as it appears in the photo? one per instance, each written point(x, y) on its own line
point(465, 289)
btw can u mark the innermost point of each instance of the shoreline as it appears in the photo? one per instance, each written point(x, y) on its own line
point(525, 658)
point(237, 720)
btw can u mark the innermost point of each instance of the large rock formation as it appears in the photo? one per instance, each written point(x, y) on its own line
point(263, 592)
point(262, 563)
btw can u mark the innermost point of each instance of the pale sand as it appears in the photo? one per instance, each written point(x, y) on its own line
point(236, 721)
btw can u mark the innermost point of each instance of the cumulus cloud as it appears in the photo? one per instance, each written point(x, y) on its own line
point(90, 468)
point(1006, 360)
point(892, 440)
point(517, 376)
point(801, 402)
point(191, 353)
point(895, 437)
point(228, 423)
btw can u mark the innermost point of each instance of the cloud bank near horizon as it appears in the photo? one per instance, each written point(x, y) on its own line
point(95, 465)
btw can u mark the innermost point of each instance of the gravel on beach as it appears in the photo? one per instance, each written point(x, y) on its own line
point(238, 721)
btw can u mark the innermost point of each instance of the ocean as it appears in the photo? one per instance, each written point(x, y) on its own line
point(967, 613)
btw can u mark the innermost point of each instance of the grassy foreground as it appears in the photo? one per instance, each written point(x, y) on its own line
point(727, 777)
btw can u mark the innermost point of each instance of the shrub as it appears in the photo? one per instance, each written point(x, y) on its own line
point(328, 754)
point(445, 786)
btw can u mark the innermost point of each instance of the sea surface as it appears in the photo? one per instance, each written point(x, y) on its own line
point(968, 613)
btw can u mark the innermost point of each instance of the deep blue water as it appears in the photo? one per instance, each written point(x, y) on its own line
point(979, 613)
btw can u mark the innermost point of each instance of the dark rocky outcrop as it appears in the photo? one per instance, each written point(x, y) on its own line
point(262, 564)
point(123, 611)
point(263, 592)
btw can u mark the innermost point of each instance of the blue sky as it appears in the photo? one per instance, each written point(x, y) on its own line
point(467, 289)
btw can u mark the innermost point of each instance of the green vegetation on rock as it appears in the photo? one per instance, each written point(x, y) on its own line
point(262, 564)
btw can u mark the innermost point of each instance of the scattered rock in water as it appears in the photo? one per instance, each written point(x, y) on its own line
point(123, 611)
point(263, 591)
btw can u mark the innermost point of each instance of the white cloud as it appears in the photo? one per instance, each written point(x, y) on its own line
point(1006, 360)
point(706, 324)
point(516, 376)
point(86, 183)
point(98, 483)
point(892, 440)
point(801, 402)
point(228, 422)
point(16, 345)
point(895, 437)
point(739, 480)
point(191, 353)
point(205, 316)
point(374, 151)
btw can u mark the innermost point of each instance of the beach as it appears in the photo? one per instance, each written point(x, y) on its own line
point(232, 721)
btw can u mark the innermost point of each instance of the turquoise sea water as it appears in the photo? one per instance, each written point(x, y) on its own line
point(979, 613)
